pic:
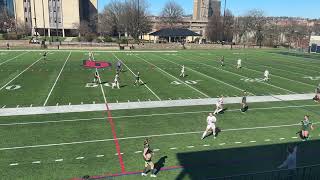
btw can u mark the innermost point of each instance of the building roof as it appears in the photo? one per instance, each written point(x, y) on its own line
point(174, 32)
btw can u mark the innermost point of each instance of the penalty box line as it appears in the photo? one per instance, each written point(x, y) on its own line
point(113, 130)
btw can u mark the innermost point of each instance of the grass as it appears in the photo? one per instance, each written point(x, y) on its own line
point(66, 146)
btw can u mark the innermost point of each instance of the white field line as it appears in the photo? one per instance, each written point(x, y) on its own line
point(46, 101)
point(227, 84)
point(237, 74)
point(264, 83)
point(140, 137)
point(281, 77)
point(141, 79)
point(151, 115)
point(20, 73)
point(271, 67)
point(102, 90)
point(174, 77)
point(13, 58)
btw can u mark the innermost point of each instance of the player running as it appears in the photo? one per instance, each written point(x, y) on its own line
point(211, 125)
point(317, 96)
point(96, 77)
point(266, 75)
point(116, 82)
point(219, 106)
point(147, 156)
point(182, 72)
point(138, 80)
point(91, 58)
point(239, 62)
point(306, 125)
point(222, 61)
point(119, 66)
point(244, 104)
point(45, 55)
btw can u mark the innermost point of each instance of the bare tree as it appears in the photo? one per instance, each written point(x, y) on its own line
point(7, 23)
point(228, 26)
point(256, 22)
point(130, 17)
point(215, 28)
point(171, 13)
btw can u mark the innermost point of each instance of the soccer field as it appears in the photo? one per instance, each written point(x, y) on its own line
point(79, 135)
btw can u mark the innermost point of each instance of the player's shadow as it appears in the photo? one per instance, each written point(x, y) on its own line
point(218, 131)
point(228, 161)
point(223, 111)
point(160, 164)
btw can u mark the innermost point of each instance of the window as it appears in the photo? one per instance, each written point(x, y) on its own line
point(26, 19)
point(25, 9)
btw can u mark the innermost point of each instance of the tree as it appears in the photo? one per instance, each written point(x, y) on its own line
point(215, 28)
point(171, 14)
point(129, 17)
point(256, 21)
point(6, 22)
point(228, 26)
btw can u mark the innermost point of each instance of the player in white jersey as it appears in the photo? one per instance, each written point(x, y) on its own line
point(239, 64)
point(91, 58)
point(211, 125)
point(219, 106)
point(182, 72)
point(116, 82)
point(266, 75)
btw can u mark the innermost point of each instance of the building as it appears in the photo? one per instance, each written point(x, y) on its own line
point(203, 9)
point(314, 44)
point(7, 5)
point(54, 17)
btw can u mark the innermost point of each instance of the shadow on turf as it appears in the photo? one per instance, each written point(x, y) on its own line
point(160, 164)
point(242, 160)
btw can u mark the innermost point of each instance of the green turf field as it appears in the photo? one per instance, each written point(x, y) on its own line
point(71, 145)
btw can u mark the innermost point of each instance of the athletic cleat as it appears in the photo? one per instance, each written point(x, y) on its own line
point(143, 174)
point(153, 175)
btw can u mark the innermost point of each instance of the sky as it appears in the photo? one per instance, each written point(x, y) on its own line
point(291, 8)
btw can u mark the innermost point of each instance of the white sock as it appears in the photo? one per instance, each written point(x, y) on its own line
point(204, 134)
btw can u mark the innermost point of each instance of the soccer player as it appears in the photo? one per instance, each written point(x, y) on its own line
point(182, 72)
point(306, 125)
point(96, 77)
point(138, 80)
point(266, 75)
point(147, 156)
point(222, 61)
point(317, 96)
point(8, 46)
point(244, 104)
point(91, 58)
point(239, 64)
point(219, 106)
point(211, 125)
point(119, 64)
point(45, 55)
point(116, 82)
point(291, 162)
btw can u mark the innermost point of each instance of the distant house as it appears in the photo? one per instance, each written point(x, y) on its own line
point(314, 45)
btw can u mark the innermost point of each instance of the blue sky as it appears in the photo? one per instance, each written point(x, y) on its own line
point(295, 8)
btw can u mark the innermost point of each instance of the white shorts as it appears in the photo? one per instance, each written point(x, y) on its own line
point(212, 126)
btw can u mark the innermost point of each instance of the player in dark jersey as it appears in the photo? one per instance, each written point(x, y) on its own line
point(96, 77)
point(138, 80)
point(45, 55)
point(222, 61)
point(244, 104)
point(306, 125)
point(119, 65)
point(147, 156)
